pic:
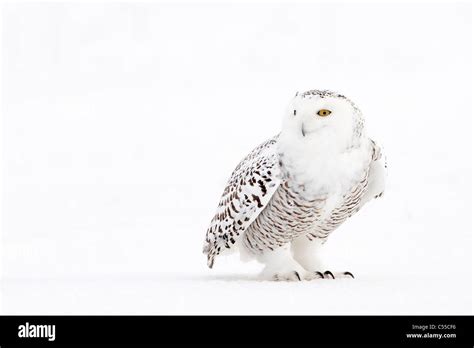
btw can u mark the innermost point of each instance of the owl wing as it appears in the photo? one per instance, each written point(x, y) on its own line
point(377, 174)
point(249, 189)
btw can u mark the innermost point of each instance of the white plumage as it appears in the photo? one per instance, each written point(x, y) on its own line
point(286, 197)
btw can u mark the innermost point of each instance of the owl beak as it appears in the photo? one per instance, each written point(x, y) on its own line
point(302, 130)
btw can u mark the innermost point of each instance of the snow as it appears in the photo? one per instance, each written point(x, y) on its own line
point(234, 294)
point(122, 123)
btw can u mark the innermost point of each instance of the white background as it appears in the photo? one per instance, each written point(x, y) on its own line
point(122, 123)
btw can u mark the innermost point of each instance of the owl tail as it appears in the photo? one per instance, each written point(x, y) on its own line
point(211, 253)
point(210, 260)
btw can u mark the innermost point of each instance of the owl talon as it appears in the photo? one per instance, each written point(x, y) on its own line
point(288, 276)
point(349, 274)
point(319, 274)
point(329, 274)
point(297, 275)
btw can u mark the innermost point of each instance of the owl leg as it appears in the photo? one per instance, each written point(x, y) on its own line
point(280, 265)
point(308, 254)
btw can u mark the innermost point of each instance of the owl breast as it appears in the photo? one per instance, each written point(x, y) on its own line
point(291, 214)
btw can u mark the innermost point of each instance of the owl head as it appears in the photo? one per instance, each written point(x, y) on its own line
point(325, 116)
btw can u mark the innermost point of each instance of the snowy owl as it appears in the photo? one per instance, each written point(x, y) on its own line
point(286, 197)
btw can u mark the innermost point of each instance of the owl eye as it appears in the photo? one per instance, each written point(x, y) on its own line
point(324, 112)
